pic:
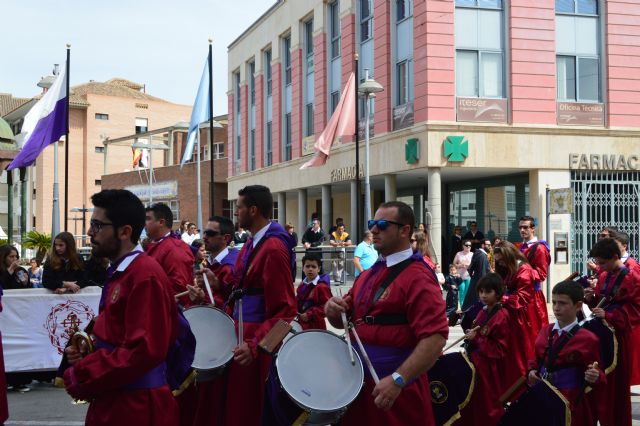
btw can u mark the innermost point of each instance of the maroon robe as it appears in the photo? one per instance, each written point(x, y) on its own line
point(4, 406)
point(579, 352)
point(269, 270)
point(138, 323)
point(177, 260)
point(488, 352)
point(623, 314)
point(311, 300)
point(519, 302)
point(540, 260)
point(416, 294)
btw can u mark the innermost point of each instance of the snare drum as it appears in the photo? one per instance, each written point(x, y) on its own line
point(313, 379)
point(215, 340)
point(295, 328)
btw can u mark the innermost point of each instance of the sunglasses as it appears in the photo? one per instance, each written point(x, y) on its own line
point(467, 245)
point(524, 227)
point(382, 224)
point(211, 233)
point(413, 240)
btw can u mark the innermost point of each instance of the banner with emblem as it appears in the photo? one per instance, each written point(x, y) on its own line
point(36, 325)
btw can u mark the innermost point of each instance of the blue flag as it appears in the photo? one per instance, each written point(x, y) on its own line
point(199, 114)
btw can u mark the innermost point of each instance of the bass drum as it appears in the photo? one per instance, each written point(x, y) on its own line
point(215, 340)
point(608, 342)
point(312, 380)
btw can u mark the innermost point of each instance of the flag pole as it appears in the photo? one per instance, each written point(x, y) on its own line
point(357, 172)
point(66, 146)
point(212, 200)
point(199, 184)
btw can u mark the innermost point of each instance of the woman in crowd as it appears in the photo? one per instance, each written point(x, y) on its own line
point(200, 253)
point(12, 275)
point(420, 242)
point(462, 260)
point(35, 273)
point(291, 230)
point(62, 272)
point(240, 237)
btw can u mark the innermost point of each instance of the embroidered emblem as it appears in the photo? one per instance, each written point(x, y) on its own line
point(439, 392)
point(64, 319)
point(573, 356)
point(115, 293)
point(484, 330)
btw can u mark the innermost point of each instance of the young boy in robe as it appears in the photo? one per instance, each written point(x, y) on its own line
point(486, 345)
point(567, 355)
point(312, 294)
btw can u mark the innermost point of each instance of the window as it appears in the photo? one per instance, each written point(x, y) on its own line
point(99, 149)
point(308, 118)
point(100, 116)
point(252, 116)
point(404, 9)
point(287, 137)
point(238, 121)
point(141, 125)
point(334, 28)
point(335, 69)
point(97, 182)
point(578, 51)
point(335, 98)
point(309, 78)
point(479, 49)
point(227, 209)
point(287, 59)
point(366, 20)
point(365, 16)
point(252, 83)
point(268, 111)
point(174, 205)
point(268, 152)
point(404, 78)
point(286, 101)
point(218, 150)
point(404, 52)
point(267, 65)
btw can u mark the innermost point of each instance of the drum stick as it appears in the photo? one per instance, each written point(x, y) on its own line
point(460, 339)
point(517, 385)
point(206, 284)
point(179, 295)
point(240, 323)
point(345, 324)
point(572, 276)
point(367, 361)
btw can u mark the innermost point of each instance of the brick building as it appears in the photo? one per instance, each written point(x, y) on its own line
point(486, 105)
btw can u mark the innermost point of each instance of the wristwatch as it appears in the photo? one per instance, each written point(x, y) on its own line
point(398, 380)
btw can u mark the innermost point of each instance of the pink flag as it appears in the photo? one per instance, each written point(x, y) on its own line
point(341, 123)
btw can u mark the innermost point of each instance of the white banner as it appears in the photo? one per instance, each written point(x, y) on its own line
point(36, 325)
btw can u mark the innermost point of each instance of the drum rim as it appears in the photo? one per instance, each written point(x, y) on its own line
point(229, 357)
point(316, 410)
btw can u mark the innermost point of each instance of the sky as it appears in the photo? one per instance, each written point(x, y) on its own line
point(160, 43)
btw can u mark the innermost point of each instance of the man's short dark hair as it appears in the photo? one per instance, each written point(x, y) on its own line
point(162, 211)
point(226, 225)
point(530, 219)
point(259, 196)
point(606, 249)
point(312, 258)
point(491, 281)
point(621, 237)
point(405, 213)
point(473, 222)
point(122, 207)
point(571, 289)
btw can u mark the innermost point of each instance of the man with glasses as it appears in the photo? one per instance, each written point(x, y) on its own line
point(124, 377)
point(537, 253)
point(398, 313)
point(170, 252)
point(474, 235)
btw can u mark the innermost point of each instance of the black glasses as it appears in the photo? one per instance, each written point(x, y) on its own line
point(413, 240)
point(211, 233)
point(96, 225)
point(524, 227)
point(382, 224)
point(467, 245)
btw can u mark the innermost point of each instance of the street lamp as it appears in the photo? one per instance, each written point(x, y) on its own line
point(83, 210)
point(367, 89)
point(150, 147)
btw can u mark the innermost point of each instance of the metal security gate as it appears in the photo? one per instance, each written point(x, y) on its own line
point(603, 199)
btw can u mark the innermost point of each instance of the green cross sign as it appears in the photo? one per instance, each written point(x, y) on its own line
point(456, 148)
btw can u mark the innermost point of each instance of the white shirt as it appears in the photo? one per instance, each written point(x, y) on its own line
point(395, 258)
point(556, 326)
point(187, 238)
point(260, 234)
point(126, 262)
point(314, 282)
point(532, 240)
point(219, 257)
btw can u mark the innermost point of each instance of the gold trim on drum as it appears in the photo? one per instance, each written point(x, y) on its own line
point(615, 349)
point(567, 406)
point(472, 387)
point(191, 378)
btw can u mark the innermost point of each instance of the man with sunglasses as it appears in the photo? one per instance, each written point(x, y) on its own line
point(124, 377)
point(170, 252)
point(399, 315)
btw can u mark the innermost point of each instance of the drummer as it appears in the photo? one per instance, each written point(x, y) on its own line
point(124, 377)
point(566, 354)
point(312, 294)
point(620, 287)
point(402, 321)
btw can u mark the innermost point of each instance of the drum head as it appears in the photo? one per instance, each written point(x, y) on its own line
point(314, 368)
point(215, 336)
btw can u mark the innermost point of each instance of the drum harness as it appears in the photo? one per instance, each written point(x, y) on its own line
point(238, 292)
point(616, 286)
point(552, 352)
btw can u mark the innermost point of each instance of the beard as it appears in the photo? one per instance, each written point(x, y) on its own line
point(108, 249)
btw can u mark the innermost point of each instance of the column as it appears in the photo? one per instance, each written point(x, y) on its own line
point(435, 209)
point(327, 207)
point(356, 234)
point(302, 211)
point(282, 208)
point(232, 204)
point(390, 188)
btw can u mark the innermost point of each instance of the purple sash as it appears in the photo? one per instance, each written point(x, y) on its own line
point(564, 378)
point(253, 309)
point(385, 359)
point(154, 378)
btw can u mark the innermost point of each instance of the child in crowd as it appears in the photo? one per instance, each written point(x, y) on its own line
point(566, 354)
point(312, 294)
point(451, 283)
point(486, 345)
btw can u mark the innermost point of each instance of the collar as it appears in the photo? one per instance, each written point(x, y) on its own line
point(556, 326)
point(482, 250)
point(260, 234)
point(163, 237)
point(532, 240)
point(314, 282)
point(625, 256)
point(219, 257)
point(129, 258)
point(400, 256)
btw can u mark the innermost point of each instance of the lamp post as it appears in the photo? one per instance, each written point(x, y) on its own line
point(84, 211)
point(150, 147)
point(367, 89)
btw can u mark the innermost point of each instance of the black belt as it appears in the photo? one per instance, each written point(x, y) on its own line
point(251, 291)
point(384, 319)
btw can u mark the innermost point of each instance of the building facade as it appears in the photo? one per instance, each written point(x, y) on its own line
point(487, 105)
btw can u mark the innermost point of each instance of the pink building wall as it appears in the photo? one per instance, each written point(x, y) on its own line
point(296, 103)
point(382, 65)
point(347, 52)
point(320, 83)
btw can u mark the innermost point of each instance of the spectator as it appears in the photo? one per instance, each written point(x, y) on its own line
point(476, 237)
point(451, 287)
point(462, 262)
point(12, 275)
point(35, 273)
point(422, 227)
point(200, 253)
point(191, 234)
point(456, 243)
point(314, 236)
point(365, 255)
point(95, 271)
point(62, 272)
point(441, 278)
point(338, 238)
point(291, 230)
point(420, 243)
point(339, 221)
point(479, 268)
point(240, 237)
